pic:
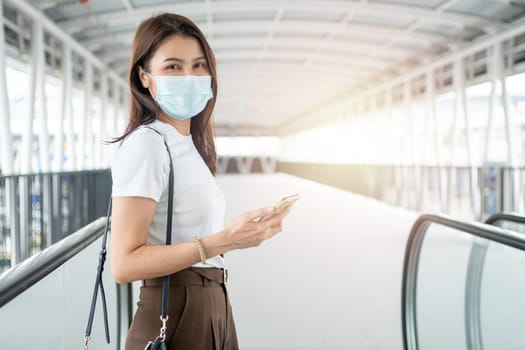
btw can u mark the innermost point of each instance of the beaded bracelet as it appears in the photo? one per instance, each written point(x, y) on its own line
point(202, 254)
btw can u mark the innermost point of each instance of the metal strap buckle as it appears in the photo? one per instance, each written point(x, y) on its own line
point(225, 275)
point(164, 327)
point(86, 341)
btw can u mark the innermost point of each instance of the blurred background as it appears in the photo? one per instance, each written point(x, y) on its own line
point(416, 104)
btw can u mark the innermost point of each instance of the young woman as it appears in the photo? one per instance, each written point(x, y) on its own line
point(173, 84)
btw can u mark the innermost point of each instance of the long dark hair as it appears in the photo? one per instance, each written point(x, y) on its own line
point(143, 108)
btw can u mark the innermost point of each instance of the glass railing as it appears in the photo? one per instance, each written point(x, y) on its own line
point(37, 210)
point(45, 300)
point(472, 193)
point(513, 222)
point(476, 274)
point(442, 308)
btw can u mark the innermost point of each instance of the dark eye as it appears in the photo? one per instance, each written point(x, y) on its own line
point(200, 65)
point(173, 66)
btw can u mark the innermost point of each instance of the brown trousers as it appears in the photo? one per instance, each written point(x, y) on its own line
point(200, 314)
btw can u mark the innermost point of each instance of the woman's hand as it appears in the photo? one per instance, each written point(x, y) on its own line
point(133, 259)
point(249, 231)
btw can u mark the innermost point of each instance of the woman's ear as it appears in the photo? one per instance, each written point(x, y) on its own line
point(144, 78)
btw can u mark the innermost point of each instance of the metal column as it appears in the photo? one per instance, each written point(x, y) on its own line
point(414, 178)
point(451, 171)
point(505, 104)
point(85, 132)
point(12, 218)
point(66, 107)
point(40, 106)
point(461, 108)
point(116, 109)
point(6, 144)
point(22, 232)
point(72, 136)
point(511, 190)
point(102, 130)
point(492, 100)
point(430, 95)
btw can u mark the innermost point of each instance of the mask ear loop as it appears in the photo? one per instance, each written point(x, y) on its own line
point(152, 77)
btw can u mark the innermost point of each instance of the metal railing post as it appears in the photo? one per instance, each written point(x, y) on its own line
point(13, 219)
point(22, 232)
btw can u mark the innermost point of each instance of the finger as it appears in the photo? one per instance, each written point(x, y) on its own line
point(259, 213)
point(285, 210)
point(278, 218)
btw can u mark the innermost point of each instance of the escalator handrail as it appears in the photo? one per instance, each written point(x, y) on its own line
point(473, 283)
point(55, 173)
point(411, 262)
point(21, 277)
point(510, 217)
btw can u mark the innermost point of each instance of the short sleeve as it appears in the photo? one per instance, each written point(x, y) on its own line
point(140, 166)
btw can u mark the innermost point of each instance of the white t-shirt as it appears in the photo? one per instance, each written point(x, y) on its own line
point(141, 168)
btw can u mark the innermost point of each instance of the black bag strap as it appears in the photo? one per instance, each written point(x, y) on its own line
point(166, 281)
point(102, 259)
point(99, 285)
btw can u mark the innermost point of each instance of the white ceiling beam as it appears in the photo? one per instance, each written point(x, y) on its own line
point(284, 55)
point(315, 81)
point(238, 6)
point(209, 19)
point(131, 10)
point(446, 4)
point(411, 28)
point(348, 59)
point(222, 30)
point(513, 30)
point(429, 15)
point(330, 36)
point(299, 47)
point(52, 28)
point(128, 6)
point(271, 31)
point(326, 72)
point(289, 90)
point(317, 78)
point(358, 62)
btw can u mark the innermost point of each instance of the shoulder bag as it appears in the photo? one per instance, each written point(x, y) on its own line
point(158, 343)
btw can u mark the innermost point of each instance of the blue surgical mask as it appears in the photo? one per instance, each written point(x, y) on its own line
point(182, 96)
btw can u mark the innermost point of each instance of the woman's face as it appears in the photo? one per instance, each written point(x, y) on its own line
point(177, 55)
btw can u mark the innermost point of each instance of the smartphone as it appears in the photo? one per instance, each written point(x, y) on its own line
point(280, 205)
point(286, 201)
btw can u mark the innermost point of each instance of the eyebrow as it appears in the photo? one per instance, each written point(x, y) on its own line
point(181, 60)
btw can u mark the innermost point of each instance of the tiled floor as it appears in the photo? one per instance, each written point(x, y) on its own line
point(330, 280)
